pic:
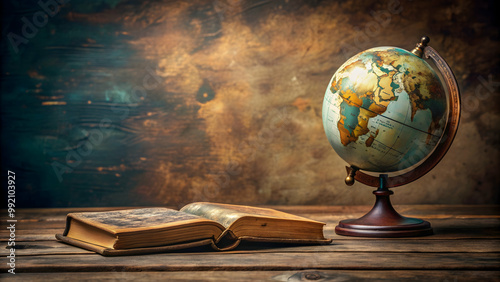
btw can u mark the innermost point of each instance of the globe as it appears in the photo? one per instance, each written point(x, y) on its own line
point(385, 110)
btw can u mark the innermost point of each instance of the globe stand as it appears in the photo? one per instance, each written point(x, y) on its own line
point(383, 220)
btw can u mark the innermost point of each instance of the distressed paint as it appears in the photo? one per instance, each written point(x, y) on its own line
point(169, 102)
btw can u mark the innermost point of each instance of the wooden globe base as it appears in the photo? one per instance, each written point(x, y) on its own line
point(383, 221)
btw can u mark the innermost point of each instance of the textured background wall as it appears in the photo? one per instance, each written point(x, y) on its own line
point(109, 103)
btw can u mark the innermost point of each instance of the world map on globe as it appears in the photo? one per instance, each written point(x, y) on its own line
point(384, 110)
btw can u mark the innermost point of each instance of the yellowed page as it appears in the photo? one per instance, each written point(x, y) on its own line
point(227, 214)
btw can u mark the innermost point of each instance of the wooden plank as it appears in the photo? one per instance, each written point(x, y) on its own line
point(42, 224)
point(407, 210)
point(52, 221)
point(353, 245)
point(43, 248)
point(301, 275)
point(382, 246)
point(23, 233)
point(334, 213)
point(457, 211)
point(32, 237)
point(39, 225)
point(444, 228)
point(332, 221)
point(48, 214)
point(260, 261)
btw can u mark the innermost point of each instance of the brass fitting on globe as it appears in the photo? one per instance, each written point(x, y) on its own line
point(419, 50)
point(349, 180)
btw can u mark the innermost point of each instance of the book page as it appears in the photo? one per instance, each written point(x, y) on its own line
point(136, 219)
point(227, 214)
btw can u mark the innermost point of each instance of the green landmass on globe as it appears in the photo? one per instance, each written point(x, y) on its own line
point(384, 110)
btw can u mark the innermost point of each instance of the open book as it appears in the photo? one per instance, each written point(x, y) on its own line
point(153, 230)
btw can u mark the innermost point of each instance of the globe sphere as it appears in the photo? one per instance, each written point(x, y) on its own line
point(384, 110)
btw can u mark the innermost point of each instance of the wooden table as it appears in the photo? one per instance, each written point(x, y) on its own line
point(465, 247)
